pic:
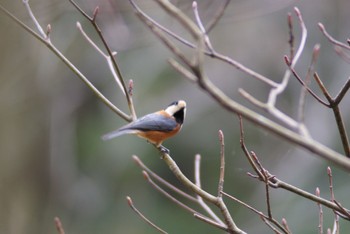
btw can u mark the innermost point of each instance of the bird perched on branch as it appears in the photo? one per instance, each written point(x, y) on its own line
point(155, 127)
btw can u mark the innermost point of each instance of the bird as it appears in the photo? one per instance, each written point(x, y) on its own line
point(155, 127)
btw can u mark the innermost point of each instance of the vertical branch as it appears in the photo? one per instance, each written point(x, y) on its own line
point(59, 225)
point(282, 86)
point(115, 65)
point(197, 179)
point(222, 163)
point(334, 104)
point(320, 213)
point(35, 21)
point(218, 201)
point(316, 52)
point(291, 36)
point(330, 177)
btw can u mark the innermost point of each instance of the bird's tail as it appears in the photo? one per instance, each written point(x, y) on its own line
point(117, 133)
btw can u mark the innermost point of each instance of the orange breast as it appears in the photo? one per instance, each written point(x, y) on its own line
point(157, 137)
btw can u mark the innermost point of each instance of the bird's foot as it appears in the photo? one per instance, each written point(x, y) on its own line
point(163, 149)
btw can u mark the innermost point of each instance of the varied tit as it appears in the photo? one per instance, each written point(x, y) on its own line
point(155, 127)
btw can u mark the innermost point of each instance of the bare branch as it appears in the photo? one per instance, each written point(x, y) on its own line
point(107, 57)
point(182, 70)
point(285, 225)
point(212, 54)
point(222, 163)
point(342, 92)
point(131, 204)
point(345, 214)
point(59, 225)
point(304, 85)
point(320, 213)
point(138, 161)
point(331, 39)
point(167, 195)
point(35, 21)
point(217, 16)
point(342, 54)
point(71, 66)
point(291, 36)
point(336, 227)
point(281, 87)
point(334, 104)
point(197, 179)
point(266, 221)
point(311, 69)
point(116, 68)
point(329, 173)
point(205, 195)
point(261, 214)
point(211, 222)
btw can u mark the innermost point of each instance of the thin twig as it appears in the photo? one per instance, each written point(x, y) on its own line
point(291, 36)
point(131, 204)
point(336, 226)
point(159, 33)
point(342, 54)
point(182, 70)
point(331, 39)
point(330, 178)
point(35, 21)
point(245, 149)
point(303, 93)
point(342, 92)
point(277, 183)
point(211, 222)
point(283, 229)
point(212, 54)
point(201, 27)
point(197, 179)
point(108, 58)
point(45, 40)
point(274, 182)
point(231, 226)
point(138, 161)
point(345, 214)
point(265, 178)
point(285, 225)
point(59, 225)
point(167, 195)
point(266, 221)
point(274, 92)
point(217, 16)
point(222, 163)
point(281, 87)
point(320, 213)
point(197, 17)
point(334, 104)
point(92, 20)
point(304, 85)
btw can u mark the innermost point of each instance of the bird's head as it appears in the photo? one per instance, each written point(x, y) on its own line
point(178, 110)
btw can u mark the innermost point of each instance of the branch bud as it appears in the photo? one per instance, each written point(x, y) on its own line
point(94, 15)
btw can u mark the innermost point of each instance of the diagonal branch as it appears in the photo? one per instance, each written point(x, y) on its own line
point(92, 20)
point(47, 42)
point(132, 206)
point(262, 121)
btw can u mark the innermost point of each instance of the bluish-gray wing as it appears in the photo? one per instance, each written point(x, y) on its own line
point(152, 122)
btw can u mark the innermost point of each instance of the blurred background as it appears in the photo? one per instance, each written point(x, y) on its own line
point(52, 159)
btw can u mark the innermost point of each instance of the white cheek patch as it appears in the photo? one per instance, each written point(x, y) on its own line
point(171, 110)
